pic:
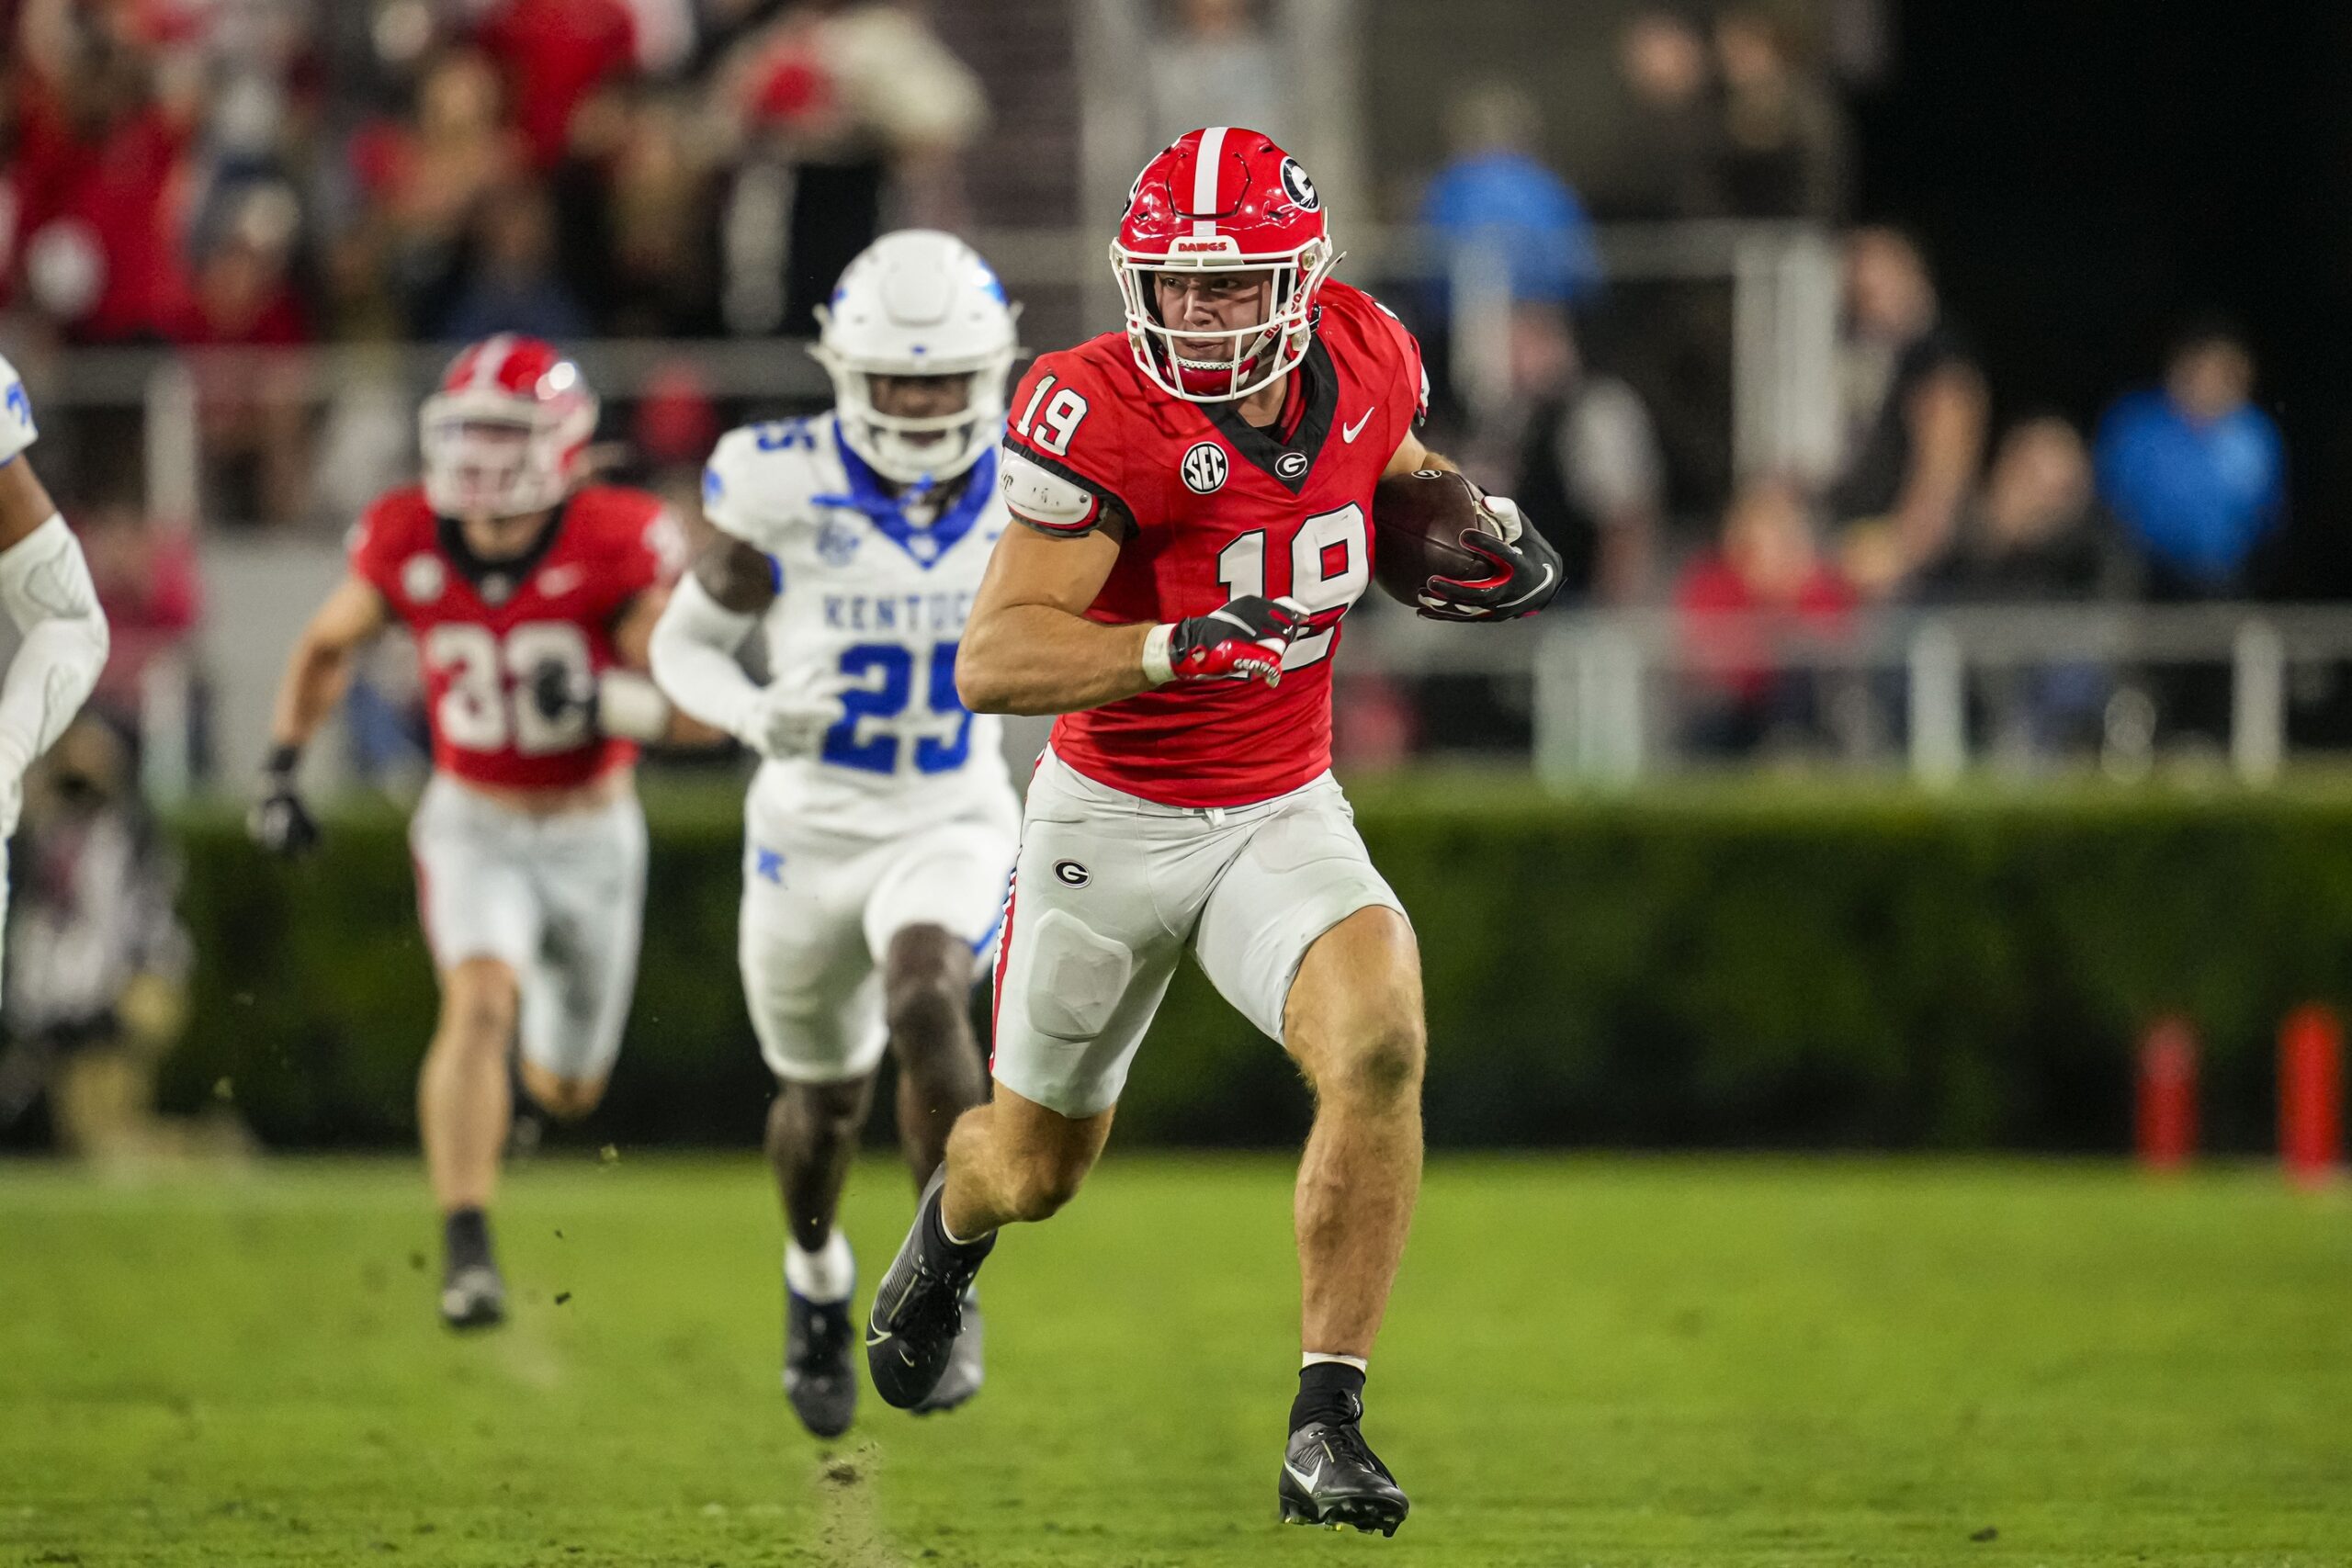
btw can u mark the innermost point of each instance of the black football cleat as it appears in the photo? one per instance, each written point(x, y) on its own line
point(817, 1376)
point(919, 1310)
point(473, 1296)
point(965, 1369)
point(1330, 1476)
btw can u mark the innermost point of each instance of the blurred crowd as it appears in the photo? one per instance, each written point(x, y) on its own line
point(228, 174)
point(1589, 417)
point(275, 172)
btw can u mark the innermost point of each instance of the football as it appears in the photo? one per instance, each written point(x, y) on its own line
point(1417, 520)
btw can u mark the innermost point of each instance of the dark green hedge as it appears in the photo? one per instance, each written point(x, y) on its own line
point(1706, 968)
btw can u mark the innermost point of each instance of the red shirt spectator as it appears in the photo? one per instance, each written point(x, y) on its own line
point(1765, 583)
point(106, 183)
point(554, 53)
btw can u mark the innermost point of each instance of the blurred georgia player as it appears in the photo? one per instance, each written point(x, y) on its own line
point(45, 588)
point(1196, 492)
point(880, 829)
point(528, 592)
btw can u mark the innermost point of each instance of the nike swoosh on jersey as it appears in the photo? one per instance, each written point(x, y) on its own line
point(559, 580)
point(1348, 433)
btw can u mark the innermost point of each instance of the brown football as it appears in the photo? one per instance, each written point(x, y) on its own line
point(1417, 520)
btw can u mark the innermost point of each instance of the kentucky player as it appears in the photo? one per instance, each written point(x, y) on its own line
point(46, 590)
point(881, 828)
point(1195, 496)
point(527, 592)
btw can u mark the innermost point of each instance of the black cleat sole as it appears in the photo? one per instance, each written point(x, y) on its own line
point(473, 1322)
point(1369, 1514)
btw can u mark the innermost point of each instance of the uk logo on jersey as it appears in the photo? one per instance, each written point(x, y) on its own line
point(836, 541)
point(1204, 468)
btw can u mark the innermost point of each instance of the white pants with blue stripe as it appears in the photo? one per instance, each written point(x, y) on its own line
point(818, 914)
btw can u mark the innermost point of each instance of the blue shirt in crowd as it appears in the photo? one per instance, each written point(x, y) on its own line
point(2196, 497)
point(1510, 199)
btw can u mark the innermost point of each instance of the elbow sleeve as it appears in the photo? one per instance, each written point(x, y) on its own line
point(46, 590)
point(693, 656)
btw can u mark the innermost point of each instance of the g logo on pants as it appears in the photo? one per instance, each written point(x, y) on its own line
point(1071, 874)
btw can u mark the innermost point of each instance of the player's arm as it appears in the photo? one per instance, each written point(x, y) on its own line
point(692, 652)
point(317, 674)
point(45, 587)
point(1029, 648)
point(1527, 569)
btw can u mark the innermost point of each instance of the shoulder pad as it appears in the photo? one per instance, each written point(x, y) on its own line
point(757, 476)
point(1044, 498)
point(16, 430)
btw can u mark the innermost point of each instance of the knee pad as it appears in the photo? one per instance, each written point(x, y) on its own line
point(1076, 977)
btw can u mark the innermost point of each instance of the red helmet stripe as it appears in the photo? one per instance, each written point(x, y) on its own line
point(1208, 166)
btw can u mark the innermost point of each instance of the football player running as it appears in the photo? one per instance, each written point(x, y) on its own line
point(46, 590)
point(531, 596)
point(881, 828)
point(1196, 494)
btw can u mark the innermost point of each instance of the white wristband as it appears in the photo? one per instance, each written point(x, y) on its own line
point(631, 707)
point(1156, 669)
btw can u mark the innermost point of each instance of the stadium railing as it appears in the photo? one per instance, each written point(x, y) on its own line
point(1611, 693)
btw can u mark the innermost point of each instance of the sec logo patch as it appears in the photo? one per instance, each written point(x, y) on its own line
point(421, 578)
point(1204, 468)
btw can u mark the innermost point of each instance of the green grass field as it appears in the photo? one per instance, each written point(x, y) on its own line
point(1606, 1361)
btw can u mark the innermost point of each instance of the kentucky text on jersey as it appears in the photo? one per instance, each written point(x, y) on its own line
point(912, 614)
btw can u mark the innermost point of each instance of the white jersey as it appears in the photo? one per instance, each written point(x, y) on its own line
point(874, 593)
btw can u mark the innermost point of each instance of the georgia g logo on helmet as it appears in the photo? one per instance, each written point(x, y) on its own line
point(1301, 189)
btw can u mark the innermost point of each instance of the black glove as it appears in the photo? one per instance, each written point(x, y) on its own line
point(279, 822)
point(554, 695)
point(1526, 573)
point(1242, 639)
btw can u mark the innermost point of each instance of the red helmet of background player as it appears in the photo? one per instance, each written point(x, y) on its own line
point(503, 435)
point(1222, 200)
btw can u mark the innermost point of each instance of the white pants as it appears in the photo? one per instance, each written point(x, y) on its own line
point(818, 914)
point(559, 899)
point(1111, 889)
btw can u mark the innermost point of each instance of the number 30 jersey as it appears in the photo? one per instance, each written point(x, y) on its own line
point(1218, 510)
point(486, 630)
point(873, 589)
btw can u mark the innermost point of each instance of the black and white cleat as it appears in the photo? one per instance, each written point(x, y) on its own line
point(966, 1368)
point(817, 1376)
point(473, 1296)
point(1331, 1477)
point(919, 1309)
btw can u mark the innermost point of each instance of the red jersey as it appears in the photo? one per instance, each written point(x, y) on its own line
point(484, 630)
point(1221, 510)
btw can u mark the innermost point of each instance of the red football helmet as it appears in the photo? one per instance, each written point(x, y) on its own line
point(503, 435)
point(1222, 200)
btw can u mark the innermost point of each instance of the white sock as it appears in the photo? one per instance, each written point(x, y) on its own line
point(826, 1275)
point(1311, 1356)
